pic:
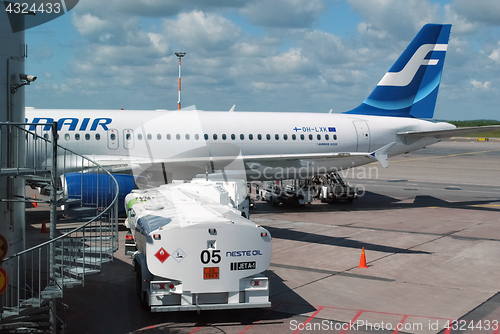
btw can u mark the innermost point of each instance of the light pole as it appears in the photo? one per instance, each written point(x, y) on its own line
point(180, 55)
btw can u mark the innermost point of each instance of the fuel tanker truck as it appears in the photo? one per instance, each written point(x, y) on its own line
point(195, 251)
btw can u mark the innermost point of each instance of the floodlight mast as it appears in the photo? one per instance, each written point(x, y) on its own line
point(179, 55)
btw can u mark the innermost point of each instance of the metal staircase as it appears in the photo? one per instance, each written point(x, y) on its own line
point(83, 236)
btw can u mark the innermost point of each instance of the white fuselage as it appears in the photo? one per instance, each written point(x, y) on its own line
point(193, 142)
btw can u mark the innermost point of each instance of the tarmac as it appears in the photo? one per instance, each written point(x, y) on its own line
point(430, 226)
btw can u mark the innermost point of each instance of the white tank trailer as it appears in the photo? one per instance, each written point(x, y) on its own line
point(195, 251)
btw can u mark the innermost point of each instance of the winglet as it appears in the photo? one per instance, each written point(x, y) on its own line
point(232, 108)
point(381, 154)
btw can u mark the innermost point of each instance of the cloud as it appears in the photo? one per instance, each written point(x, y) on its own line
point(394, 18)
point(481, 85)
point(460, 24)
point(153, 8)
point(495, 54)
point(283, 13)
point(121, 53)
point(202, 31)
point(325, 46)
point(484, 11)
point(289, 63)
point(88, 24)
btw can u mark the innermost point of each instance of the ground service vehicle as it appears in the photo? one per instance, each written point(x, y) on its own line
point(195, 251)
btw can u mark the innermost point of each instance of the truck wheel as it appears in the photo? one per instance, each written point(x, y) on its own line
point(142, 295)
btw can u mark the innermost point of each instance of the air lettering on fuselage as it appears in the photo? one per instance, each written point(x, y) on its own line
point(71, 124)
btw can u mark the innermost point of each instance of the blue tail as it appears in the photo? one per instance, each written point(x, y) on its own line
point(411, 86)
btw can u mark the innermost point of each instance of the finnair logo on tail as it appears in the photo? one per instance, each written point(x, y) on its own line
point(405, 76)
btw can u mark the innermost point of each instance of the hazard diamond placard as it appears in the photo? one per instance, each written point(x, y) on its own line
point(4, 280)
point(4, 246)
point(162, 255)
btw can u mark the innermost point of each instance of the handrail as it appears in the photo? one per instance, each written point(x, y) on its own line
point(79, 227)
point(74, 260)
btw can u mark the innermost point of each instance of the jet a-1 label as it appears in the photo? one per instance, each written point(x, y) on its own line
point(243, 265)
point(315, 129)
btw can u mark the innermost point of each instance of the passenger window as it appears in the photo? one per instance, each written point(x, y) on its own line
point(250, 136)
point(215, 136)
point(334, 137)
point(259, 136)
point(97, 136)
point(224, 136)
point(127, 136)
point(242, 136)
point(285, 137)
point(302, 137)
point(178, 136)
point(294, 136)
point(310, 137)
point(187, 136)
point(67, 136)
point(87, 136)
point(206, 136)
point(233, 136)
point(268, 137)
point(77, 136)
point(158, 136)
point(196, 136)
point(149, 136)
point(327, 137)
point(169, 136)
point(139, 136)
point(319, 137)
point(277, 136)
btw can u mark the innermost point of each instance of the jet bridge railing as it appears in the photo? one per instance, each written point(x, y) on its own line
point(78, 244)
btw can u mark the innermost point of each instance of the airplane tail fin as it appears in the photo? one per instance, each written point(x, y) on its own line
point(411, 86)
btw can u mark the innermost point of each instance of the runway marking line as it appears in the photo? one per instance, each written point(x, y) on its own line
point(359, 312)
point(310, 318)
point(386, 313)
point(195, 330)
point(263, 316)
point(352, 321)
point(400, 323)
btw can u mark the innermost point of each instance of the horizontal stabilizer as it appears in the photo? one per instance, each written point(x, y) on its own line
point(381, 154)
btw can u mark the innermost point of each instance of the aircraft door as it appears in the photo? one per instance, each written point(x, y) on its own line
point(112, 139)
point(363, 134)
point(128, 139)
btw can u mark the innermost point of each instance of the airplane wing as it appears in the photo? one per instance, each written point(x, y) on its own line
point(379, 155)
point(122, 164)
point(451, 132)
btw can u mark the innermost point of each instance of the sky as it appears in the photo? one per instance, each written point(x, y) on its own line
point(260, 55)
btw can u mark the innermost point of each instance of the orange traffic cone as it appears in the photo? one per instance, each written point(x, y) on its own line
point(362, 262)
point(44, 228)
point(35, 204)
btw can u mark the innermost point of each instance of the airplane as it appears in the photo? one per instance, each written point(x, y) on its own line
point(179, 144)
